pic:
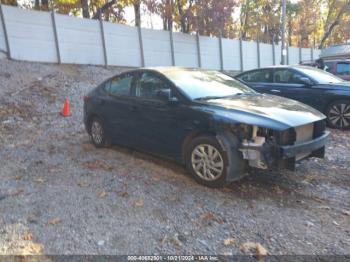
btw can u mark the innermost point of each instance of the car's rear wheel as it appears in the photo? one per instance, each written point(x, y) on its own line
point(98, 134)
point(338, 114)
point(207, 162)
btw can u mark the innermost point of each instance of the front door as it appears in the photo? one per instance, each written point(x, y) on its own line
point(159, 123)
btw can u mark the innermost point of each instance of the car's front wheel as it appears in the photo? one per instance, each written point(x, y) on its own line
point(338, 114)
point(98, 133)
point(207, 162)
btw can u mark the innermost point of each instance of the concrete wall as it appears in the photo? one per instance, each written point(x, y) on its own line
point(266, 55)
point(293, 54)
point(231, 55)
point(185, 50)
point(30, 35)
point(122, 45)
point(2, 38)
point(80, 41)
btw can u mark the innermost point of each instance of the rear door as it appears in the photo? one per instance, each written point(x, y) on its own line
point(118, 108)
point(259, 79)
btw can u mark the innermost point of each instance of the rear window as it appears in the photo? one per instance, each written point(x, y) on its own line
point(343, 68)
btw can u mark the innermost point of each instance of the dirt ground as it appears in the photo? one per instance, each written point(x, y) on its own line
point(60, 195)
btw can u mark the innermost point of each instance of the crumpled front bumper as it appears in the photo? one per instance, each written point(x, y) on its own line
point(283, 156)
point(305, 147)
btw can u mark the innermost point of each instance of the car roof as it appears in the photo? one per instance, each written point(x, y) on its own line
point(277, 67)
point(166, 69)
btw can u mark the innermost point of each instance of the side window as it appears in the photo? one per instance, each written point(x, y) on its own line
point(120, 86)
point(260, 76)
point(286, 76)
point(343, 68)
point(151, 86)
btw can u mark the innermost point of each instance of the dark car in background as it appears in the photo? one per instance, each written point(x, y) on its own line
point(211, 123)
point(338, 67)
point(317, 88)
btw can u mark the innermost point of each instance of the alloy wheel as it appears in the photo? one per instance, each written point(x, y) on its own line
point(97, 132)
point(207, 162)
point(339, 115)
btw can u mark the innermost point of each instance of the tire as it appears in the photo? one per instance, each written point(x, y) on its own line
point(98, 134)
point(338, 114)
point(196, 165)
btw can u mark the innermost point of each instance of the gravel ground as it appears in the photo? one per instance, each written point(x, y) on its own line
point(60, 195)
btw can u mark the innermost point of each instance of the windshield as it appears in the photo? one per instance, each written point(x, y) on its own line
point(322, 77)
point(199, 84)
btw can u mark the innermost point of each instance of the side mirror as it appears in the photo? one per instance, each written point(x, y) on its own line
point(305, 81)
point(173, 100)
point(164, 94)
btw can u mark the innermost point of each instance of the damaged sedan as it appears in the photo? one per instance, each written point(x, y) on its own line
point(217, 127)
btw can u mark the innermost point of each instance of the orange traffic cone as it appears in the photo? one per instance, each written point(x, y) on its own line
point(66, 108)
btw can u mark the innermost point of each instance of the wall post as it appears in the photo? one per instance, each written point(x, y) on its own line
point(258, 50)
point(300, 53)
point(273, 52)
point(58, 52)
point(221, 52)
point(7, 42)
point(312, 53)
point(241, 54)
point(287, 47)
point(141, 47)
point(199, 51)
point(103, 38)
point(172, 47)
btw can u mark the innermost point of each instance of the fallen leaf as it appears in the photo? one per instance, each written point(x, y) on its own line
point(54, 221)
point(97, 164)
point(162, 240)
point(32, 249)
point(139, 203)
point(319, 200)
point(229, 241)
point(17, 192)
point(175, 241)
point(83, 184)
point(346, 212)
point(124, 191)
point(210, 216)
point(102, 194)
point(27, 236)
point(256, 248)
point(40, 180)
point(277, 190)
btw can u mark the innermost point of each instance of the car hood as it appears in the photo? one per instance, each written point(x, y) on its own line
point(264, 110)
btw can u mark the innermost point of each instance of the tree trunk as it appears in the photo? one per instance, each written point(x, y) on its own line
point(103, 8)
point(37, 5)
point(137, 11)
point(45, 5)
point(85, 8)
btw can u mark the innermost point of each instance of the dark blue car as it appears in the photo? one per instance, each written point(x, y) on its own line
point(211, 123)
point(319, 89)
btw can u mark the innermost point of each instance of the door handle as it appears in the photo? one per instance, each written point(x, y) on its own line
point(275, 90)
